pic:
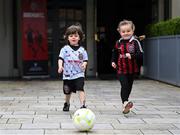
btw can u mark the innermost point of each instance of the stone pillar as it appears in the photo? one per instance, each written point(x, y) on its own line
point(175, 8)
point(90, 40)
point(6, 38)
point(161, 10)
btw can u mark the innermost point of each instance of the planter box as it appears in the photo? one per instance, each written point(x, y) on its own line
point(162, 59)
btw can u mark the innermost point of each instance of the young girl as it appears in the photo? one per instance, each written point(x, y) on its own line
point(124, 55)
point(73, 62)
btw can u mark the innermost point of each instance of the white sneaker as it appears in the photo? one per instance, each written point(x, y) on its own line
point(127, 106)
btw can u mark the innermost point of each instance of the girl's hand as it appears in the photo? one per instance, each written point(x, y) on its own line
point(128, 55)
point(114, 65)
point(60, 69)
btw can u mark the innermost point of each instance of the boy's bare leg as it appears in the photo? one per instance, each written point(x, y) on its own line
point(82, 97)
point(67, 102)
point(67, 98)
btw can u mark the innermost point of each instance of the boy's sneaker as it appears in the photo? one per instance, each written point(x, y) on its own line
point(83, 106)
point(66, 107)
point(127, 107)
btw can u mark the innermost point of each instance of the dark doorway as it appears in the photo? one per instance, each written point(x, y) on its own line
point(61, 14)
point(109, 13)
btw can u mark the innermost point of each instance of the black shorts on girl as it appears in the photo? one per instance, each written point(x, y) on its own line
point(74, 85)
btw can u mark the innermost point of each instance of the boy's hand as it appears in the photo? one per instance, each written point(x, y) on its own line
point(60, 69)
point(114, 65)
point(84, 65)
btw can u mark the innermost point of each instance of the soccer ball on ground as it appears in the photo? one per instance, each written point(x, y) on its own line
point(84, 119)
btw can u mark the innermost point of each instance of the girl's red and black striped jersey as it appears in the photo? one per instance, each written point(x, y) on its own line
point(125, 65)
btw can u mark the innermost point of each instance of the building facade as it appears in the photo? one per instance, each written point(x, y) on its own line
point(98, 22)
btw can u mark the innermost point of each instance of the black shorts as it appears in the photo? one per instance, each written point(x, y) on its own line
point(74, 85)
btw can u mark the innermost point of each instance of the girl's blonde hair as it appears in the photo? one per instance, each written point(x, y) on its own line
point(125, 22)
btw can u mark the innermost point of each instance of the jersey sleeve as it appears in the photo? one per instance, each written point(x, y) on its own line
point(61, 54)
point(138, 53)
point(114, 55)
point(85, 55)
point(138, 46)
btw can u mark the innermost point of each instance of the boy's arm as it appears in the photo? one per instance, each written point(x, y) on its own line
point(85, 60)
point(61, 60)
point(60, 65)
point(84, 65)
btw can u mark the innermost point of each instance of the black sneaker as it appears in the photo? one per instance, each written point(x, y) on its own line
point(66, 107)
point(83, 106)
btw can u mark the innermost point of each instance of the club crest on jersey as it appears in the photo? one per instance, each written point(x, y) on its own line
point(131, 48)
point(80, 56)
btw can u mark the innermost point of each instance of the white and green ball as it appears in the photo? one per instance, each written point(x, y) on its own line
point(84, 119)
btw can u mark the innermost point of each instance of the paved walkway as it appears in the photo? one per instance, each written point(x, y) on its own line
point(35, 108)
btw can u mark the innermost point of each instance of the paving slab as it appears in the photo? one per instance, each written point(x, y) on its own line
point(35, 108)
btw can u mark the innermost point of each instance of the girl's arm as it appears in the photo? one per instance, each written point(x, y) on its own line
point(138, 53)
point(114, 57)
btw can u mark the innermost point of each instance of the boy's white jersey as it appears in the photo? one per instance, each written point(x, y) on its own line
point(73, 60)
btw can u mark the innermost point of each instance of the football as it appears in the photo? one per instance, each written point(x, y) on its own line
point(84, 119)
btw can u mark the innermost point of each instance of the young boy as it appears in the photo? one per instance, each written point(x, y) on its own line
point(72, 62)
point(124, 55)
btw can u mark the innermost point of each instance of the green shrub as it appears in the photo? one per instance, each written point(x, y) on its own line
point(163, 28)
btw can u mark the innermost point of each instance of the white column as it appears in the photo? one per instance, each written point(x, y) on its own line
point(90, 41)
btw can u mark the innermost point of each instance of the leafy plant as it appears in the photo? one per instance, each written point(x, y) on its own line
point(163, 28)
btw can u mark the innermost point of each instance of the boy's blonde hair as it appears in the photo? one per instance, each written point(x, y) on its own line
point(125, 22)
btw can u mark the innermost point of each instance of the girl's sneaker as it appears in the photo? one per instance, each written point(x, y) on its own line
point(127, 107)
